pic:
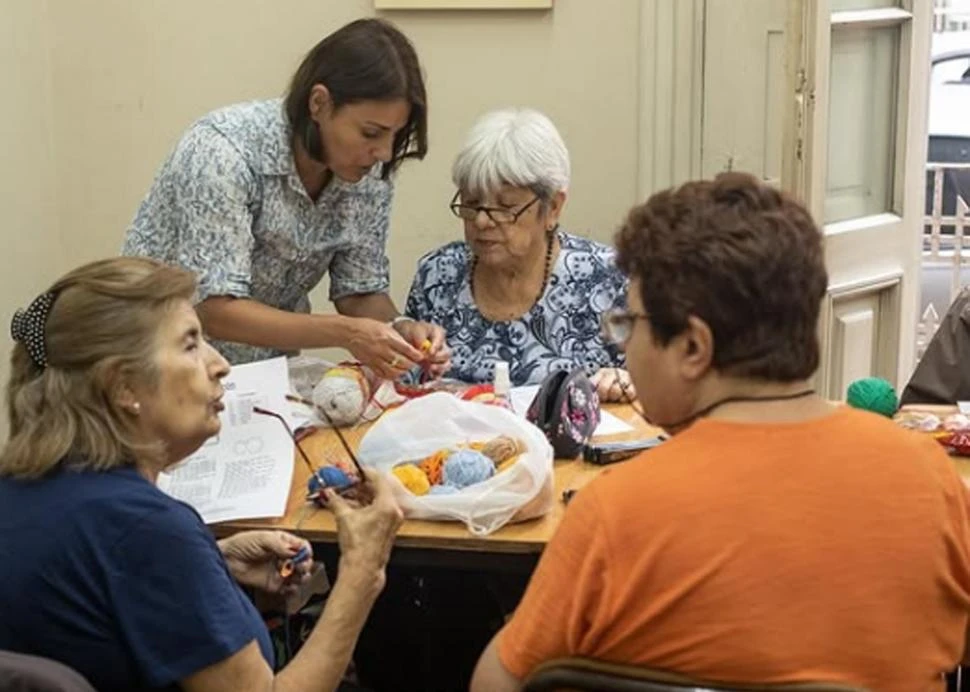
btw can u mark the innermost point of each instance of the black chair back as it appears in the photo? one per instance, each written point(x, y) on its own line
point(23, 673)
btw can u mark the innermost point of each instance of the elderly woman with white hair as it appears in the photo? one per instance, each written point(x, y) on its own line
point(519, 288)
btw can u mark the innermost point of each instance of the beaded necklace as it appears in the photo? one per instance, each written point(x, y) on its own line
point(550, 236)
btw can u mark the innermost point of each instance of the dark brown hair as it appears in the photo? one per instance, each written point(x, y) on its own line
point(103, 325)
point(366, 60)
point(742, 256)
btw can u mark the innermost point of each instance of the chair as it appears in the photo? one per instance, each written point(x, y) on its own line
point(23, 673)
point(582, 675)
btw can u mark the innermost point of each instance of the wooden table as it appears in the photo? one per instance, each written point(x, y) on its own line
point(528, 537)
point(962, 463)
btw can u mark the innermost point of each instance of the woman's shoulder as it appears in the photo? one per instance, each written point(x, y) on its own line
point(126, 498)
point(576, 244)
point(451, 255)
point(246, 119)
point(251, 136)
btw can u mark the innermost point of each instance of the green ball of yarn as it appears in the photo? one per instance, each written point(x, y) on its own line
point(873, 394)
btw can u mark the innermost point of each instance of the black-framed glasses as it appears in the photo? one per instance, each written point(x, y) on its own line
point(497, 215)
point(617, 324)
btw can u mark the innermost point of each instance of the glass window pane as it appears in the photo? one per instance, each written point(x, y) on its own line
point(862, 119)
point(842, 5)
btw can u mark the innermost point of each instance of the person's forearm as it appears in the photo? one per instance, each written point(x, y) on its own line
point(324, 657)
point(251, 322)
point(377, 306)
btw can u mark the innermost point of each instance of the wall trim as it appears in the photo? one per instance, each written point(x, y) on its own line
point(670, 83)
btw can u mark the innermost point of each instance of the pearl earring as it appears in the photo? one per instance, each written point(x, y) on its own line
point(136, 408)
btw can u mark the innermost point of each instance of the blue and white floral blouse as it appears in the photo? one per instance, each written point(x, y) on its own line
point(561, 331)
point(229, 206)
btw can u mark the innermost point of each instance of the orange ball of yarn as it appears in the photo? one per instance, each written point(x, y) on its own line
point(433, 464)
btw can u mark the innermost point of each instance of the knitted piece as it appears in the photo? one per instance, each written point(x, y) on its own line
point(331, 476)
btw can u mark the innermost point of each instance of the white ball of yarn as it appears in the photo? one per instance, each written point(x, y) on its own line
point(342, 393)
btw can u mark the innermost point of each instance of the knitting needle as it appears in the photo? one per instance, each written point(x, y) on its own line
point(343, 441)
point(273, 414)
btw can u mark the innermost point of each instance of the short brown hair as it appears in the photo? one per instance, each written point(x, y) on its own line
point(103, 325)
point(742, 256)
point(366, 60)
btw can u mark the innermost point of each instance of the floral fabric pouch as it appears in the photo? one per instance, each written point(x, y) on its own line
point(567, 410)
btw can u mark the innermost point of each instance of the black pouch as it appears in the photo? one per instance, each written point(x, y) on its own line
point(567, 410)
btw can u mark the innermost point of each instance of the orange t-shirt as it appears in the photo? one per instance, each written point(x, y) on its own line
point(830, 550)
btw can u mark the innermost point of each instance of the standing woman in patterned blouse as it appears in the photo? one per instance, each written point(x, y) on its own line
point(261, 199)
point(518, 288)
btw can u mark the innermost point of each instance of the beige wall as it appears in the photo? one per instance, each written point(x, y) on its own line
point(32, 251)
point(128, 77)
point(96, 92)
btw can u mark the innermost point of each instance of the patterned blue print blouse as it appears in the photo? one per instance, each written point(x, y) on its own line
point(561, 331)
point(229, 206)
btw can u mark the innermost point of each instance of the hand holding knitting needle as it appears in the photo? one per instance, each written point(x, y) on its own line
point(366, 531)
point(430, 340)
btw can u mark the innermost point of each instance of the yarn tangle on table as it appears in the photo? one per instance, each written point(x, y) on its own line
point(873, 394)
point(467, 467)
point(343, 393)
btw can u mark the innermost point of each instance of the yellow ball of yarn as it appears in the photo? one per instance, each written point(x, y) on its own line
point(412, 478)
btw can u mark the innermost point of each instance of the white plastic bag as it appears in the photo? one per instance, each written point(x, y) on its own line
point(423, 426)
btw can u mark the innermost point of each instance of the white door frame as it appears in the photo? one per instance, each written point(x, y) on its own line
point(877, 255)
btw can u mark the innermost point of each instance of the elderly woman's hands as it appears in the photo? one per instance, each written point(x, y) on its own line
point(438, 356)
point(613, 385)
point(366, 529)
point(254, 559)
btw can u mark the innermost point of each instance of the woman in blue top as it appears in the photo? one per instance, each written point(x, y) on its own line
point(261, 199)
point(518, 288)
point(111, 383)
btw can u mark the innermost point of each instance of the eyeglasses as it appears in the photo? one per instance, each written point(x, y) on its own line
point(617, 325)
point(497, 215)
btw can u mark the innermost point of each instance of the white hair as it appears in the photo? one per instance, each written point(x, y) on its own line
point(513, 146)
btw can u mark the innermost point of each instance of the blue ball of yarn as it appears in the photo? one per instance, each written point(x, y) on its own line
point(330, 477)
point(467, 467)
point(442, 490)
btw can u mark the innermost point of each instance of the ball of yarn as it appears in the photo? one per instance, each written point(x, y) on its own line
point(331, 477)
point(873, 394)
point(412, 478)
point(433, 465)
point(342, 393)
point(466, 467)
point(442, 490)
point(502, 448)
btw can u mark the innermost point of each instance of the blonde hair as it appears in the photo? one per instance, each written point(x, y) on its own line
point(101, 328)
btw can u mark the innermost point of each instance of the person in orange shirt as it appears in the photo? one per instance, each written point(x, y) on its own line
point(776, 537)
